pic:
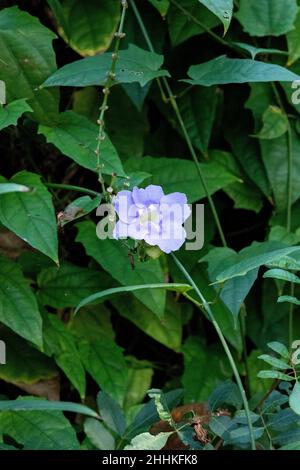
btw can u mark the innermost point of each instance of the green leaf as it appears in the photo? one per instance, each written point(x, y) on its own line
point(35, 404)
point(294, 399)
point(221, 425)
point(67, 285)
point(30, 215)
point(25, 62)
point(108, 293)
point(275, 123)
point(161, 5)
point(140, 375)
point(105, 252)
point(92, 322)
point(277, 167)
point(293, 42)
point(273, 361)
point(175, 174)
point(75, 136)
point(78, 208)
point(13, 188)
point(254, 256)
point(226, 393)
point(148, 413)
point(288, 298)
point(167, 332)
point(241, 435)
point(10, 114)
point(254, 51)
point(267, 18)
point(36, 430)
point(198, 109)
point(147, 441)
point(134, 65)
point(111, 413)
point(121, 117)
point(282, 275)
point(223, 9)
point(90, 26)
point(104, 361)
point(25, 364)
point(60, 344)
point(245, 196)
point(279, 348)
point(181, 26)
point(223, 70)
point(274, 374)
point(99, 436)
point(235, 290)
point(18, 307)
point(196, 355)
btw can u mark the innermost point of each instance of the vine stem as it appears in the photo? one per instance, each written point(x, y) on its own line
point(111, 75)
point(210, 314)
point(176, 109)
point(70, 187)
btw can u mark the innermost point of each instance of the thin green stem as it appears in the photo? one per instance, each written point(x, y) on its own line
point(291, 316)
point(242, 319)
point(111, 75)
point(176, 109)
point(210, 314)
point(70, 187)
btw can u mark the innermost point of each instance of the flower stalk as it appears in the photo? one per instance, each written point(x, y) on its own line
point(111, 77)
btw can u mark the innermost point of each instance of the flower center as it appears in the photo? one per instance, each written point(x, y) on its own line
point(148, 215)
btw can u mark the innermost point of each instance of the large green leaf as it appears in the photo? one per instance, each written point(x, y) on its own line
point(175, 174)
point(275, 157)
point(223, 9)
point(104, 361)
point(106, 252)
point(267, 17)
point(18, 307)
point(26, 62)
point(35, 404)
point(10, 114)
point(39, 430)
point(90, 26)
point(98, 434)
point(75, 136)
point(30, 215)
point(61, 344)
point(167, 332)
point(181, 26)
point(294, 399)
point(196, 355)
point(134, 65)
point(92, 322)
point(140, 375)
point(251, 258)
point(25, 364)
point(275, 123)
point(198, 109)
point(222, 70)
point(293, 41)
point(109, 293)
point(111, 413)
point(235, 290)
point(67, 285)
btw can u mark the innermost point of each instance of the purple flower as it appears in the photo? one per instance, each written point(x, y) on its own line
point(148, 214)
